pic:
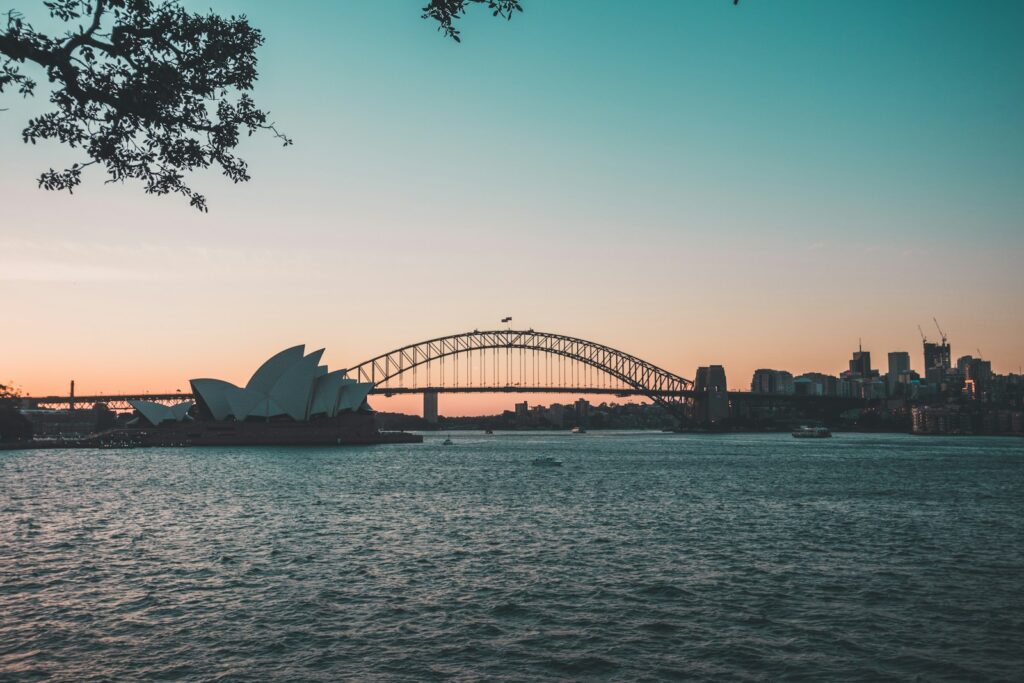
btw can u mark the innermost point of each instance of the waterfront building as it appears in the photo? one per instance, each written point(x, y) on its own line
point(582, 409)
point(522, 414)
point(824, 385)
point(556, 415)
point(157, 413)
point(805, 386)
point(940, 420)
point(768, 381)
point(289, 385)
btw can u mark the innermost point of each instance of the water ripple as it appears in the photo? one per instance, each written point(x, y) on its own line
point(646, 557)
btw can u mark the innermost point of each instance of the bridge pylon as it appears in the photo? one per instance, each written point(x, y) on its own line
point(430, 406)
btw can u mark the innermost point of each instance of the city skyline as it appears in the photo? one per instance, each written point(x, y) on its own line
point(638, 197)
point(764, 379)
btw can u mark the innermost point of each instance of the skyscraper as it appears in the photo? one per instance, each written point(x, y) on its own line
point(899, 361)
point(860, 364)
point(936, 356)
point(978, 378)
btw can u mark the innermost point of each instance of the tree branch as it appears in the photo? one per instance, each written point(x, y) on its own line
point(80, 39)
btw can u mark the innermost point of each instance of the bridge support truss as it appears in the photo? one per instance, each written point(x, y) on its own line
point(521, 359)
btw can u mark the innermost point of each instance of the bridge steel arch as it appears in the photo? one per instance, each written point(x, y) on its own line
point(661, 386)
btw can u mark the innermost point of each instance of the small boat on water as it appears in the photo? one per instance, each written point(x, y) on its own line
point(577, 430)
point(489, 431)
point(805, 432)
point(448, 441)
point(546, 461)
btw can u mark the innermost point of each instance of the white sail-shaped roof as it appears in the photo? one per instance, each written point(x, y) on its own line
point(293, 390)
point(266, 407)
point(157, 413)
point(242, 401)
point(352, 395)
point(289, 383)
point(180, 410)
point(325, 393)
point(264, 379)
point(214, 393)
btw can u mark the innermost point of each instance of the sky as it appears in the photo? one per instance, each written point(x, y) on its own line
point(690, 182)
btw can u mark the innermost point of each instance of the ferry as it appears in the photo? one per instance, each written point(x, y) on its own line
point(805, 432)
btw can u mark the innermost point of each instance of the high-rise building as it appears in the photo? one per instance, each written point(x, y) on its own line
point(899, 362)
point(860, 364)
point(805, 386)
point(936, 356)
point(824, 385)
point(767, 381)
point(582, 407)
point(978, 378)
point(522, 413)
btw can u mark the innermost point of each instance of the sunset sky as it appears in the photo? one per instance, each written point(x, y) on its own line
point(690, 182)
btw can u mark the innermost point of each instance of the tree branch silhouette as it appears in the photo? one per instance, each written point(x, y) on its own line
point(146, 89)
point(446, 12)
point(150, 91)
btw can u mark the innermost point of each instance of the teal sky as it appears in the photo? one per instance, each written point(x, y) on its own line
point(814, 118)
point(690, 181)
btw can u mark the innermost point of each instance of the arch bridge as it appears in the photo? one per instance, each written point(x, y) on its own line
point(521, 361)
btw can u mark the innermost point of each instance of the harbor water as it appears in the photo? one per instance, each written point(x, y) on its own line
point(645, 556)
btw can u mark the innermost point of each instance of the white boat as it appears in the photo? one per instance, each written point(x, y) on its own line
point(805, 432)
point(577, 430)
point(547, 461)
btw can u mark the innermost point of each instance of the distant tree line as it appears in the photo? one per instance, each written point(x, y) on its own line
point(13, 425)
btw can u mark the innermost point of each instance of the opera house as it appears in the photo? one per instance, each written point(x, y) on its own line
point(288, 385)
point(290, 399)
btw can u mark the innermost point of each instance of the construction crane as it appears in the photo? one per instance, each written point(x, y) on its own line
point(923, 338)
point(941, 333)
